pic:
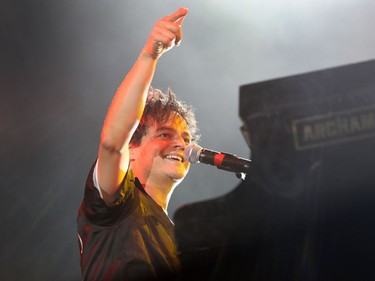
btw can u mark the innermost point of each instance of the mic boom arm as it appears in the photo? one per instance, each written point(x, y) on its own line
point(225, 161)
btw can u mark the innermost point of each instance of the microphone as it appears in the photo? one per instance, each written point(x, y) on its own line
point(224, 161)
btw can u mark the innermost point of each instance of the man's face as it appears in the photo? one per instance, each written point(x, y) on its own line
point(160, 155)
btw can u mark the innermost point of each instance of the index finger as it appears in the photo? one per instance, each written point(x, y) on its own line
point(177, 15)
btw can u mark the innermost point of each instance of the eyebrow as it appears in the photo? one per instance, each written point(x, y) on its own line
point(170, 129)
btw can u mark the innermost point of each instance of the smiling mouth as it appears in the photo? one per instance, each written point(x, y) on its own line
point(175, 157)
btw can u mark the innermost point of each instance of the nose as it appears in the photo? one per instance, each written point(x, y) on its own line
point(179, 142)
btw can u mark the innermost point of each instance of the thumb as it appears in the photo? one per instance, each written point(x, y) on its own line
point(177, 16)
point(180, 21)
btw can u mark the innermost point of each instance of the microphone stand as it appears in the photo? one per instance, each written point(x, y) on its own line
point(239, 171)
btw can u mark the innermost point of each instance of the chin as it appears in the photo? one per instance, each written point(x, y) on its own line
point(175, 173)
point(177, 176)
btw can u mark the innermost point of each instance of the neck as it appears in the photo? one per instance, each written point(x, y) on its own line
point(159, 193)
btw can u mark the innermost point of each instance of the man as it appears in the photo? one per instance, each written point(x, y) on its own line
point(123, 228)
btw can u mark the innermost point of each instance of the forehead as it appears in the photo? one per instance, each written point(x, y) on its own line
point(174, 121)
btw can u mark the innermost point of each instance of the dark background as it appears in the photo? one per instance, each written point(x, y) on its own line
point(61, 62)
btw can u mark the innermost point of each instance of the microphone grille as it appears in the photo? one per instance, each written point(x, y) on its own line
point(192, 152)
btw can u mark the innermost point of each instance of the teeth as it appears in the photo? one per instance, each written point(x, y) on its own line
point(175, 157)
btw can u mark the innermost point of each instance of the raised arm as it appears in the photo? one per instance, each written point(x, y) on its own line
point(128, 104)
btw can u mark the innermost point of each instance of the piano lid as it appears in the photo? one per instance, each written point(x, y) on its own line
point(305, 210)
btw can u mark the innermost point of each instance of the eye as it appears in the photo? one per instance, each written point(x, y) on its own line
point(164, 135)
point(187, 140)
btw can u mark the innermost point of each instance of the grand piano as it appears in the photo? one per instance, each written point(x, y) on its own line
point(306, 209)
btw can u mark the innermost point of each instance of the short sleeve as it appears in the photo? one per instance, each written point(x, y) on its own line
point(97, 210)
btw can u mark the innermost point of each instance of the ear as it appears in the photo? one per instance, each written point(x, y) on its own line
point(132, 152)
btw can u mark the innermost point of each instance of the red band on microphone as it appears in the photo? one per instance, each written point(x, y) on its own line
point(218, 159)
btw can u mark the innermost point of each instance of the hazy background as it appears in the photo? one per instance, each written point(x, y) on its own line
point(61, 62)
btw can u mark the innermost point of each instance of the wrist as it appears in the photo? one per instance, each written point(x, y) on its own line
point(145, 55)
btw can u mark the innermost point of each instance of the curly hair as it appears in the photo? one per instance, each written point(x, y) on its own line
point(159, 106)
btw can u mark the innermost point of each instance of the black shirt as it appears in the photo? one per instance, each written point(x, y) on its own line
point(131, 240)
